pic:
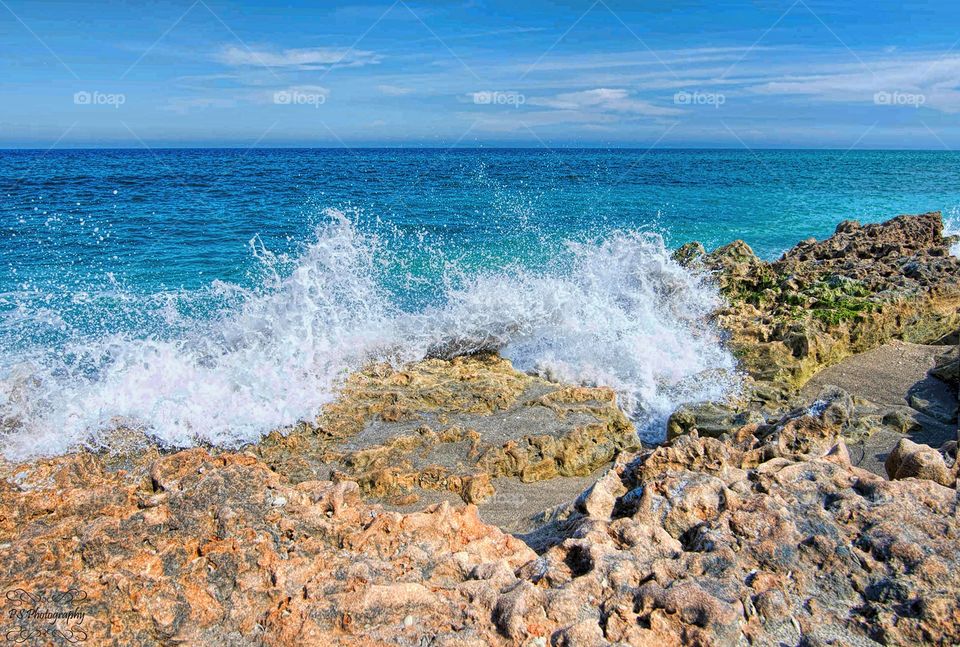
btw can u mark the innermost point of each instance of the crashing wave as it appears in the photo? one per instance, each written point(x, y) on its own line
point(617, 312)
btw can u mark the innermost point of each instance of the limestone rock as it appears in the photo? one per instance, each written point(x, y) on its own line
point(766, 537)
point(825, 300)
point(761, 541)
point(911, 460)
point(834, 406)
point(453, 426)
point(690, 254)
point(948, 368)
point(200, 553)
point(709, 419)
point(599, 499)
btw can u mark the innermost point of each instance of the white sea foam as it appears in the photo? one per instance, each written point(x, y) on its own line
point(951, 227)
point(620, 313)
point(623, 315)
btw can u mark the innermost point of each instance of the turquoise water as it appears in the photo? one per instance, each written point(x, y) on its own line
point(212, 295)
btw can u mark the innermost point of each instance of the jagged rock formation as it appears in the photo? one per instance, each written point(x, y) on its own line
point(216, 550)
point(948, 367)
point(768, 538)
point(823, 301)
point(711, 419)
point(453, 426)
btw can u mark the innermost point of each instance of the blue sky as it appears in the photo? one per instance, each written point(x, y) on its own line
point(754, 73)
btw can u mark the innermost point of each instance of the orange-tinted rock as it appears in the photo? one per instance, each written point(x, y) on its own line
point(767, 537)
point(911, 460)
point(221, 550)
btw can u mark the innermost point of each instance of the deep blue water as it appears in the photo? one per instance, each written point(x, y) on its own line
point(135, 245)
point(170, 219)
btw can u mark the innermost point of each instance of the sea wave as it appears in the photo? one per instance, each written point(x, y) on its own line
point(951, 227)
point(619, 312)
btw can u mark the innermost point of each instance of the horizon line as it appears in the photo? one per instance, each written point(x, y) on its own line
point(554, 149)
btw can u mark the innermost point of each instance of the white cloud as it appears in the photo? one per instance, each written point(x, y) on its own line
point(782, 72)
point(305, 58)
point(394, 90)
point(671, 61)
point(183, 105)
point(603, 100)
point(937, 80)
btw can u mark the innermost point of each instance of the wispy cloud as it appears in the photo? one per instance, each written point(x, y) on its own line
point(936, 79)
point(600, 109)
point(394, 90)
point(184, 105)
point(604, 100)
point(303, 58)
point(664, 59)
point(784, 75)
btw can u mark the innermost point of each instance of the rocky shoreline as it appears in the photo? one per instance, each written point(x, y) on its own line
point(461, 502)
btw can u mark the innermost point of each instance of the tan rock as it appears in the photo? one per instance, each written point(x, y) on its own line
point(598, 500)
point(767, 537)
point(453, 425)
point(823, 301)
point(911, 460)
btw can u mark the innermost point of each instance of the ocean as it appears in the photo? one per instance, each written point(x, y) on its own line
point(211, 296)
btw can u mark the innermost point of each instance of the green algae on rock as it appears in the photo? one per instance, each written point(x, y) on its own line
point(823, 301)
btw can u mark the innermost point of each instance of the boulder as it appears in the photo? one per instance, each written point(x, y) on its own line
point(709, 419)
point(440, 426)
point(948, 368)
point(911, 460)
point(834, 406)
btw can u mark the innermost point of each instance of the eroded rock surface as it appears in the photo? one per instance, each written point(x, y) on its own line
point(771, 537)
point(220, 550)
point(823, 301)
point(453, 426)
